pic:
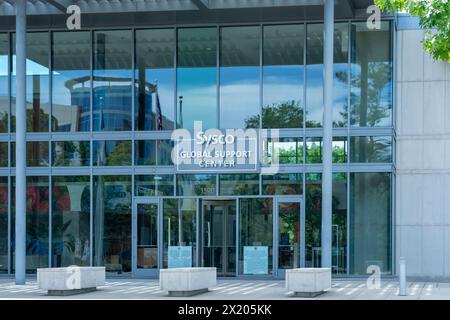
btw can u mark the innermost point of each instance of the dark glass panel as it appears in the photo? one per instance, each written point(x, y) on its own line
point(196, 185)
point(153, 185)
point(238, 184)
point(256, 229)
point(313, 219)
point(37, 154)
point(112, 153)
point(4, 240)
point(339, 226)
point(370, 222)
point(153, 152)
point(70, 221)
point(371, 149)
point(112, 223)
point(179, 225)
point(3, 154)
point(283, 184)
point(37, 238)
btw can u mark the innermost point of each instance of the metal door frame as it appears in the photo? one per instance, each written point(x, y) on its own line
point(280, 273)
point(225, 203)
point(154, 273)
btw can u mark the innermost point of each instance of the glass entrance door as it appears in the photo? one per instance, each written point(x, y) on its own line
point(145, 238)
point(219, 236)
point(289, 235)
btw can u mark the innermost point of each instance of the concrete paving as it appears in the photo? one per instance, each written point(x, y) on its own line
point(236, 290)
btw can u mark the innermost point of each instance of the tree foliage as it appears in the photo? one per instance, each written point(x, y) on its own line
point(434, 18)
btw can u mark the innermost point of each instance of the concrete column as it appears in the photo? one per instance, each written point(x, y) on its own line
point(327, 175)
point(21, 127)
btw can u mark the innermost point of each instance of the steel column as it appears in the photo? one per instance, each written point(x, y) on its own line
point(327, 175)
point(21, 120)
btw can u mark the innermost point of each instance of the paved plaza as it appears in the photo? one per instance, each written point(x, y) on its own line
point(235, 290)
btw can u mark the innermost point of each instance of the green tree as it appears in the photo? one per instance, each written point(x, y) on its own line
point(434, 18)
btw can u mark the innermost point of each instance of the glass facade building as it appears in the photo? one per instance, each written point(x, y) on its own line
point(102, 188)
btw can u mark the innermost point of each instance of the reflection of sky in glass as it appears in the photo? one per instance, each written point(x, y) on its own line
point(314, 95)
point(239, 96)
point(340, 95)
point(198, 88)
point(282, 84)
point(33, 69)
point(4, 104)
point(3, 65)
point(164, 78)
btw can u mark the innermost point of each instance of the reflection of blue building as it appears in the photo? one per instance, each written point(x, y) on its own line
point(112, 109)
point(112, 105)
point(80, 96)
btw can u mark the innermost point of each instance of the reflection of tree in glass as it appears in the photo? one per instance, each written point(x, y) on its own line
point(36, 121)
point(74, 153)
point(121, 155)
point(368, 108)
point(313, 223)
point(339, 155)
point(4, 122)
point(287, 114)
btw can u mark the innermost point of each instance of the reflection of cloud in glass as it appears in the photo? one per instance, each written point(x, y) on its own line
point(198, 88)
point(239, 96)
point(282, 83)
point(314, 93)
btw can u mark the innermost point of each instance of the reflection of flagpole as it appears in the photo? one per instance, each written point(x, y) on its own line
point(181, 111)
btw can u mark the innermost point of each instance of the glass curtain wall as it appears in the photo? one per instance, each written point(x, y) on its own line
point(226, 77)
